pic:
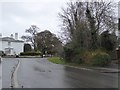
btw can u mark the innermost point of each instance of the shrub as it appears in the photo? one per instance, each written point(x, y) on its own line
point(68, 53)
point(100, 59)
point(87, 56)
point(77, 55)
point(118, 61)
point(77, 59)
point(30, 54)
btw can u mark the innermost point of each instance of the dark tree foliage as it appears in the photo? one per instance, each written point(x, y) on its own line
point(27, 48)
point(83, 23)
point(48, 43)
point(108, 41)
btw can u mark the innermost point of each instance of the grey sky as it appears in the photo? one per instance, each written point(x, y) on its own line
point(18, 16)
point(118, 14)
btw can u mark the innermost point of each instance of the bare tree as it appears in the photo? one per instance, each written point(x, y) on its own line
point(90, 17)
point(32, 37)
point(74, 22)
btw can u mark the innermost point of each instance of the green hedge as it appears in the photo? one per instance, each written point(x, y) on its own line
point(30, 54)
point(100, 59)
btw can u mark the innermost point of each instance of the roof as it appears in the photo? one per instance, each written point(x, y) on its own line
point(10, 39)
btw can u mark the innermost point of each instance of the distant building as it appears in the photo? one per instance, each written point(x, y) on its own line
point(11, 45)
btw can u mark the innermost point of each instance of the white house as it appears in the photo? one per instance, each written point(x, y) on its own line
point(11, 45)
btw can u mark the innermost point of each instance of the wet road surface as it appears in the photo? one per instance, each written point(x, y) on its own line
point(40, 73)
point(8, 65)
point(0, 76)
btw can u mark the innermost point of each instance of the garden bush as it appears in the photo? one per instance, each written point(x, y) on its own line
point(30, 54)
point(77, 59)
point(86, 57)
point(82, 56)
point(118, 61)
point(68, 53)
point(100, 59)
point(78, 55)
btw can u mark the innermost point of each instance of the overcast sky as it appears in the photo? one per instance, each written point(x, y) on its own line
point(16, 16)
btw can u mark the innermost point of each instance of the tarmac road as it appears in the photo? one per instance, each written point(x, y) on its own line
point(40, 73)
point(8, 65)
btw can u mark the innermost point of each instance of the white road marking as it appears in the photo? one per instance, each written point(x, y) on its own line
point(14, 81)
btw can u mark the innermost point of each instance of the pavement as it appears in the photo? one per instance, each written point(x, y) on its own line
point(112, 68)
point(106, 70)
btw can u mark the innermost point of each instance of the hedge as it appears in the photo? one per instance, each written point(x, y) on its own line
point(100, 59)
point(30, 54)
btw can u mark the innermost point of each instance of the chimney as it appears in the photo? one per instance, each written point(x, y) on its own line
point(0, 35)
point(16, 36)
point(11, 36)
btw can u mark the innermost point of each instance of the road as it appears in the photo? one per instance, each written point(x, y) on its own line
point(8, 65)
point(0, 76)
point(40, 73)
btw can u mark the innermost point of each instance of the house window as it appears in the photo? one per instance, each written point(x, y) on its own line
point(7, 50)
point(9, 43)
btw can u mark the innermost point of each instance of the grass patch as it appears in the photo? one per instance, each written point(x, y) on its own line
point(56, 60)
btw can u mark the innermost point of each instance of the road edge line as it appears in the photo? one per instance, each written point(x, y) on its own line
point(14, 77)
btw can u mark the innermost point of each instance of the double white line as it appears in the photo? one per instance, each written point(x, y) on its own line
point(14, 81)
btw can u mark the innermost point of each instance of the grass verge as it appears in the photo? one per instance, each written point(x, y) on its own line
point(56, 60)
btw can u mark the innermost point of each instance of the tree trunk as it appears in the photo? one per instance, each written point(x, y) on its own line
point(92, 29)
